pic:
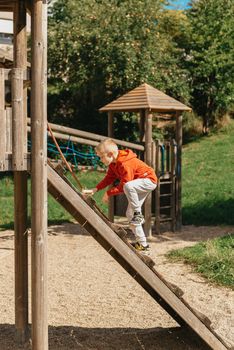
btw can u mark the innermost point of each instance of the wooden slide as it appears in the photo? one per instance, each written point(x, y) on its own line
point(113, 239)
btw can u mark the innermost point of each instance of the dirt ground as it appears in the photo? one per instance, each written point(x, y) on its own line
point(95, 305)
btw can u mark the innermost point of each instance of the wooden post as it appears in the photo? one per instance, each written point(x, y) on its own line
point(9, 130)
point(2, 121)
point(18, 117)
point(148, 160)
point(111, 134)
point(142, 125)
point(157, 191)
point(173, 179)
point(20, 181)
point(179, 165)
point(39, 175)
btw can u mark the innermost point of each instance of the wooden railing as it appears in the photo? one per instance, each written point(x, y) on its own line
point(84, 137)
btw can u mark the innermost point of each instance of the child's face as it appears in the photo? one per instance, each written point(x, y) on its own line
point(106, 158)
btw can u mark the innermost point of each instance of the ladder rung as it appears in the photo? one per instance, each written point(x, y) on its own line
point(166, 195)
point(166, 207)
point(165, 183)
point(166, 219)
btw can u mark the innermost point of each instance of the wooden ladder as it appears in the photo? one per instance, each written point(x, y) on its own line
point(165, 193)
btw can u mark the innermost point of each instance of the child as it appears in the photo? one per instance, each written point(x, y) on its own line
point(136, 180)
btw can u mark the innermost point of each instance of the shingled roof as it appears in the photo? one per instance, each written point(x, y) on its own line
point(145, 97)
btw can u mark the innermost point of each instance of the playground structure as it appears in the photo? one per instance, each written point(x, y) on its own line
point(164, 204)
point(14, 157)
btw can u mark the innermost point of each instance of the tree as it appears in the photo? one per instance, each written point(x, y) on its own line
point(209, 49)
point(100, 49)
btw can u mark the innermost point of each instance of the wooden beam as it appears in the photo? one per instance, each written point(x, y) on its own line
point(148, 160)
point(179, 141)
point(20, 177)
point(39, 176)
point(7, 6)
point(28, 4)
point(62, 130)
point(26, 73)
point(9, 130)
point(18, 120)
point(2, 121)
point(111, 208)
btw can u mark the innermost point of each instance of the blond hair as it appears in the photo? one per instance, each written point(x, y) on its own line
point(105, 146)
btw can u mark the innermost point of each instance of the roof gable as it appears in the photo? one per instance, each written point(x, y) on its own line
point(145, 97)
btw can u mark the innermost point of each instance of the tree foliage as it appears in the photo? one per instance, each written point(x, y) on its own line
point(99, 50)
point(209, 45)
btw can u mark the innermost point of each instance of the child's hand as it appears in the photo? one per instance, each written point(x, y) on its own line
point(89, 192)
point(105, 198)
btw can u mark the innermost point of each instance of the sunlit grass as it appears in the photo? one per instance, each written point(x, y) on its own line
point(214, 259)
point(208, 181)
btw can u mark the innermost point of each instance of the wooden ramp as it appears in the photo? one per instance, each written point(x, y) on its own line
point(113, 240)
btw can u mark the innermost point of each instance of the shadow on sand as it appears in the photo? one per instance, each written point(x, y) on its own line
point(68, 337)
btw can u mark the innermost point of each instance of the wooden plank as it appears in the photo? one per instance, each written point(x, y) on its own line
point(18, 148)
point(39, 176)
point(8, 162)
point(2, 121)
point(148, 278)
point(9, 130)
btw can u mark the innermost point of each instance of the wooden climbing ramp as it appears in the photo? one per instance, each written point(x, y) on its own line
point(113, 239)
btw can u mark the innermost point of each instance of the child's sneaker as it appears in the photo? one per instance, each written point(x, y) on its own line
point(140, 248)
point(138, 219)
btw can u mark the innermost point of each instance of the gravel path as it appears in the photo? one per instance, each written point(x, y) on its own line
point(95, 305)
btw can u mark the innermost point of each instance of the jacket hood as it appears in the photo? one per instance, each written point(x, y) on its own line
point(125, 155)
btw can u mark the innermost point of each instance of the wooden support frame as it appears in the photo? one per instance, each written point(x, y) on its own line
point(20, 177)
point(39, 175)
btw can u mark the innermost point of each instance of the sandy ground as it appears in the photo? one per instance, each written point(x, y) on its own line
point(95, 305)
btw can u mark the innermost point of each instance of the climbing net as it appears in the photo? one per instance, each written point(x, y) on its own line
point(81, 158)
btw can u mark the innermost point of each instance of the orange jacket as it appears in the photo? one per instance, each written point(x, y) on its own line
point(126, 168)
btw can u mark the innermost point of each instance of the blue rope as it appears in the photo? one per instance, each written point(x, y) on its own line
point(70, 152)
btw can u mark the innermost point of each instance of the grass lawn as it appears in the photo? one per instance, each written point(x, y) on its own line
point(56, 214)
point(208, 180)
point(214, 259)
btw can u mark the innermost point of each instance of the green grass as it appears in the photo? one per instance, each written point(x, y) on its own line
point(56, 214)
point(213, 259)
point(208, 180)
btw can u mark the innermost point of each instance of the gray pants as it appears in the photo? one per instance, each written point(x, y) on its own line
point(136, 192)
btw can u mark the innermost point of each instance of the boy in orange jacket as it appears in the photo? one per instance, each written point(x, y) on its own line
point(136, 180)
